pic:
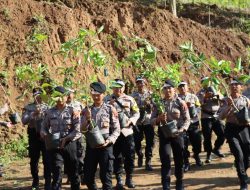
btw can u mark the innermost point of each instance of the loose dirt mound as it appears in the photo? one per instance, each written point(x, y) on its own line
point(62, 22)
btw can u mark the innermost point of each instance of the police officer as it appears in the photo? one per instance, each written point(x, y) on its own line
point(176, 112)
point(61, 122)
point(81, 142)
point(106, 118)
point(210, 101)
point(193, 132)
point(33, 116)
point(143, 100)
point(237, 130)
point(128, 113)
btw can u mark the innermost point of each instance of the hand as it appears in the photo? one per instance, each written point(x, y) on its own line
point(129, 122)
point(230, 101)
point(112, 102)
point(76, 114)
point(63, 141)
point(107, 142)
point(43, 135)
point(163, 118)
point(88, 114)
point(188, 104)
point(36, 113)
point(9, 124)
point(181, 130)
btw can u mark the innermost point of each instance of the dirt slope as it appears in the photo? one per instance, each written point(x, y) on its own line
point(19, 18)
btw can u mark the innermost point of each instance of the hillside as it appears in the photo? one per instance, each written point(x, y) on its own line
point(61, 22)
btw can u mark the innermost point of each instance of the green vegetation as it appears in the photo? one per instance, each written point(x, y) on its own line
point(15, 149)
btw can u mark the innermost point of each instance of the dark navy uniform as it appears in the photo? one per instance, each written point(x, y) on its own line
point(144, 127)
point(106, 118)
point(36, 144)
point(193, 133)
point(210, 122)
point(238, 138)
point(176, 110)
point(64, 123)
point(124, 147)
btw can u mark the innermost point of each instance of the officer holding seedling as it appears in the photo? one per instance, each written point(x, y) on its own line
point(173, 119)
point(235, 112)
point(143, 99)
point(193, 133)
point(33, 116)
point(99, 119)
point(61, 129)
point(128, 113)
point(210, 101)
point(81, 142)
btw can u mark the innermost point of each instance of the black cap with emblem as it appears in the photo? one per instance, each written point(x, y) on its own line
point(97, 88)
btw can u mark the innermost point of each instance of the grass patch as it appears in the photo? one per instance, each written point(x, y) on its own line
point(14, 150)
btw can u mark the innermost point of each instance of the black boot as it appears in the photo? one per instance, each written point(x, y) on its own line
point(179, 185)
point(119, 185)
point(140, 161)
point(198, 160)
point(35, 184)
point(148, 166)
point(186, 167)
point(82, 179)
point(208, 160)
point(47, 185)
point(165, 184)
point(218, 153)
point(129, 181)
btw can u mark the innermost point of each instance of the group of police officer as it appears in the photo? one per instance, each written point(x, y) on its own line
point(123, 121)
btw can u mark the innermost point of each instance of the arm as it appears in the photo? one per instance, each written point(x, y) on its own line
point(45, 126)
point(26, 117)
point(84, 121)
point(185, 115)
point(115, 125)
point(76, 128)
point(224, 110)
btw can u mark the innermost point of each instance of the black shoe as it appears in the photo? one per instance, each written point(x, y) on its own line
point(186, 167)
point(198, 160)
point(129, 182)
point(35, 184)
point(218, 153)
point(140, 161)
point(82, 179)
point(243, 187)
point(119, 185)
point(179, 185)
point(149, 167)
point(208, 160)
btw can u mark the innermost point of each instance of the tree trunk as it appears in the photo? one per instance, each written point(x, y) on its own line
point(173, 7)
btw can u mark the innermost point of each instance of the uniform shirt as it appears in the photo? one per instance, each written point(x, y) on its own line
point(194, 101)
point(130, 106)
point(176, 109)
point(140, 100)
point(106, 118)
point(77, 106)
point(34, 121)
point(63, 122)
point(227, 111)
point(247, 93)
point(209, 106)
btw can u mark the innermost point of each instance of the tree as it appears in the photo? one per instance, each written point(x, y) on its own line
point(173, 7)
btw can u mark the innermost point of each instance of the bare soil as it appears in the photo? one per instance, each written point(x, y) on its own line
point(220, 174)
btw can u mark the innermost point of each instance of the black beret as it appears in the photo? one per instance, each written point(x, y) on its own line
point(168, 83)
point(98, 87)
point(60, 89)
